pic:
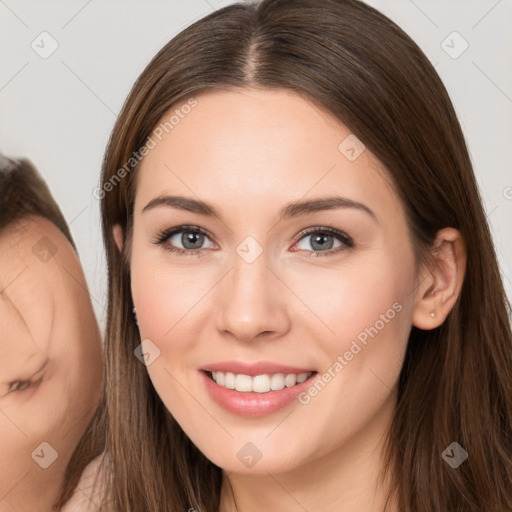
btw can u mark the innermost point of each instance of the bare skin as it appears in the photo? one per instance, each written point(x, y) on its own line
point(50, 362)
point(249, 153)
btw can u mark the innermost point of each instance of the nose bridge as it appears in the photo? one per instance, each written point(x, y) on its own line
point(251, 300)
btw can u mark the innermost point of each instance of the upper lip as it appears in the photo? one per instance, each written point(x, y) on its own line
point(253, 369)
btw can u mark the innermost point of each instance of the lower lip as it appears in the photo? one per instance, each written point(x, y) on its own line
point(253, 405)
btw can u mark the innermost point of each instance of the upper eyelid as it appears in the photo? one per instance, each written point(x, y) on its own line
point(167, 233)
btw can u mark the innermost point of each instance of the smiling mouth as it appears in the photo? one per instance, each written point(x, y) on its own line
point(263, 383)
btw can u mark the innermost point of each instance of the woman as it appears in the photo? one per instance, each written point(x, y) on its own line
point(290, 210)
point(50, 360)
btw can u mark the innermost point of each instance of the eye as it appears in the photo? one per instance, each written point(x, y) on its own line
point(18, 385)
point(323, 240)
point(21, 385)
point(191, 239)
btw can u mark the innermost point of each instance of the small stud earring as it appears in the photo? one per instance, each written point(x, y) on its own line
point(134, 311)
point(432, 314)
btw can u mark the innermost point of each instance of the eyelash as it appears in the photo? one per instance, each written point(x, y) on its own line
point(18, 385)
point(22, 385)
point(345, 239)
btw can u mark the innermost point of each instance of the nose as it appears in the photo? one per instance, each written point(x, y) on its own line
point(252, 302)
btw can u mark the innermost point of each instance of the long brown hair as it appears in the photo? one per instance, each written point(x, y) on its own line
point(23, 193)
point(456, 381)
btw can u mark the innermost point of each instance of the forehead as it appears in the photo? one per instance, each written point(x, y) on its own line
point(258, 147)
point(26, 289)
point(29, 250)
point(26, 240)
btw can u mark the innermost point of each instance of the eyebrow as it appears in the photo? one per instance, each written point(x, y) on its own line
point(292, 209)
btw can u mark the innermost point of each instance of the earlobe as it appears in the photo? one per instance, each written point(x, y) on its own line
point(441, 283)
point(117, 232)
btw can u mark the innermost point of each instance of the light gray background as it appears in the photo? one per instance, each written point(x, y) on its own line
point(59, 111)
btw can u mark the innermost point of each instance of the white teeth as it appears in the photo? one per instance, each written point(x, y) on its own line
point(301, 377)
point(277, 381)
point(243, 383)
point(290, 380)
point(220, 378)
point(259, 383)
point(229, 380)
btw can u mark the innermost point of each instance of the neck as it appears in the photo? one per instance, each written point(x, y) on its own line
point(344, 480)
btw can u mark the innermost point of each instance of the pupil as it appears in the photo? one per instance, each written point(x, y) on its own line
point(321, 241)
point(195, 239)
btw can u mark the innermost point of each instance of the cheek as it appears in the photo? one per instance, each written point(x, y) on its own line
point(367, 314)
point(29, 419)
point(366, 300)
point(168, 296)
point(162, 305)
point(15, 449)
point(362, 338)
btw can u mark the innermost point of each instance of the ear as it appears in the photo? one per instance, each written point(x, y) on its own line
point(117, 231)
point(440, 282)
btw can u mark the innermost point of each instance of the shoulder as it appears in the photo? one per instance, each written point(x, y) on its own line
point(89, 492)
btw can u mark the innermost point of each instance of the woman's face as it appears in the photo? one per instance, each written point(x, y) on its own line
point(50, 359)
point(269, 297)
